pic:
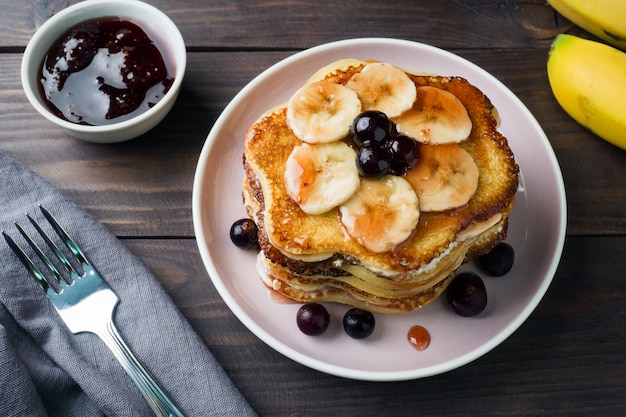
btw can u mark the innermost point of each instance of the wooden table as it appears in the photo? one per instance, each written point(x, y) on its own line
point(568, 359)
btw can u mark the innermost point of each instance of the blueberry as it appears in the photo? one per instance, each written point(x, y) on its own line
point(312, 319)
point(358, 323)
point(372, 160)
point(467, 295)
point(370, 126)
point(403, 151)
point(244, 234)
point(499, 260)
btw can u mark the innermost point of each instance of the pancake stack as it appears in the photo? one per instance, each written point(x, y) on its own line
point(390, 243)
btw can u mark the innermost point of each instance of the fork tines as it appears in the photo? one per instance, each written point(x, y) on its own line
point(45, 283)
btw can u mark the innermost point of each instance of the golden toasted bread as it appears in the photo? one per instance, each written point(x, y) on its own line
point(312, 256)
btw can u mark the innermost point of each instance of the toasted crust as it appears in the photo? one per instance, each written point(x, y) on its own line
point(299, 247)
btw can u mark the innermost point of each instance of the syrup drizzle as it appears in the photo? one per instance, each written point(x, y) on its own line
point(418, 337)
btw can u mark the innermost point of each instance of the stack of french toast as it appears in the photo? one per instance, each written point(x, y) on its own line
point(389, 242)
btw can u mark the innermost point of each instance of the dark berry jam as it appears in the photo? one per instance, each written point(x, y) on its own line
point(104, 71)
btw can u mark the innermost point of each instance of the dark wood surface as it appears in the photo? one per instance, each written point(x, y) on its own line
point(568, 359)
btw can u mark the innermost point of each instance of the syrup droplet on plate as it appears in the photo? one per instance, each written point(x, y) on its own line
point(419, 337)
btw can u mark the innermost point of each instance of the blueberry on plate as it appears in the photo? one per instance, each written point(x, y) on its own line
point(244, 234)
point(467, 294)
point(498, 261)
point(358, 323)
point(312, 319)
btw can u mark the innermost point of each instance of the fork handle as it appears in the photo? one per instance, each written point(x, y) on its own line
point(149, 388)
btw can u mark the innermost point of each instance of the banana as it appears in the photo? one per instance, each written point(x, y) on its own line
point(588, 80)
point(382, 214)
point(444, 178)
point(381, 86)
point(436, 117)
point(319, 177)
point(604, 18)
point(322, 112)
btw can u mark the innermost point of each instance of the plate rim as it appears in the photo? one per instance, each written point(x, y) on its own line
point(336, 370)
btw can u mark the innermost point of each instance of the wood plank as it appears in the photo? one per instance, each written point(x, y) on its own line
point(567, 359)
point(549, 366)
point(252, 24)
point(125, 185)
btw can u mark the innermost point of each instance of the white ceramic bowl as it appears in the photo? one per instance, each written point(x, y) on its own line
point(151, 20)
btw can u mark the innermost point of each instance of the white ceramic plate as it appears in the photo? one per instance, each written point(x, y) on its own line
point(537, 230)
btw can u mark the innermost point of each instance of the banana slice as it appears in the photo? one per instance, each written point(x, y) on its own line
point(436, 117)
point(444, 178)
point(322, 112)
point(383, 87)
point(382, 213)
point(320, 177)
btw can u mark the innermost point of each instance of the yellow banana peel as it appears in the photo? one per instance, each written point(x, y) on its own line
point(604, 18)
point(588, 80)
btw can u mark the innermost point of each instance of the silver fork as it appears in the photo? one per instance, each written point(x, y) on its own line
point(86, 304)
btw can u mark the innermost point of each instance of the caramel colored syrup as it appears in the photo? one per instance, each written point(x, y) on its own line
point(418, 337)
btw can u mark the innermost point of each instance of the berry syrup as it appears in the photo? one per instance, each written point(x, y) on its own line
point(103, 71)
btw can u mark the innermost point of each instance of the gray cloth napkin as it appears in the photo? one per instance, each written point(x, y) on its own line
point(45, 370)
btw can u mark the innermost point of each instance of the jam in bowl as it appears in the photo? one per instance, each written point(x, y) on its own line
point(105, 70)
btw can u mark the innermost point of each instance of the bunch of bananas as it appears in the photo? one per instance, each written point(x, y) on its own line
point(588, 78)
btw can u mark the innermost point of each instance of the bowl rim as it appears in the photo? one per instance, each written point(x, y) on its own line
point(74, 15)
